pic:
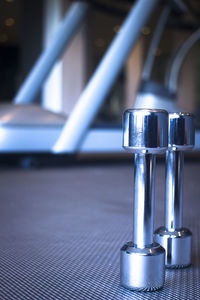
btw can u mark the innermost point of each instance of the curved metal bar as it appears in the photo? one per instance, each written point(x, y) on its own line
point(172, 77)
point(155, 42)
point(99, 85)
point(46, 61)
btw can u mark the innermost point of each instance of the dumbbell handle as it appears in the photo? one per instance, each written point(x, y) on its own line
point(144, 199)
point(174, 187)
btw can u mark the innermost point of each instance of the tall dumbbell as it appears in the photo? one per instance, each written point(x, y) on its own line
point(145, 133)
point(173, 237)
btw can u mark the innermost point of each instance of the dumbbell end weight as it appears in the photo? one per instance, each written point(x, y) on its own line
point(144, 131)
point(178, 245)
point(142, 268)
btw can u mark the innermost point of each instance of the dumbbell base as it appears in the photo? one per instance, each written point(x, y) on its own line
point(177, 246)
point(142, 269)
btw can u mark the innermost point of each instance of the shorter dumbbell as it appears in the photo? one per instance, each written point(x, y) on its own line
point(142, 261)
point(173, 237)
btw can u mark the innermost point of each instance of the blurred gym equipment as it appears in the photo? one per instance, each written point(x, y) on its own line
point(51, 132)
point(68, 139)
point(152, 94)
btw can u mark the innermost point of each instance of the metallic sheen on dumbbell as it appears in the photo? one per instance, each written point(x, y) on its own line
point(173, 237)
point(145, 133)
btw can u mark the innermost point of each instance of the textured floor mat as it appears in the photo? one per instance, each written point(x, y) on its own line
point(61, 232)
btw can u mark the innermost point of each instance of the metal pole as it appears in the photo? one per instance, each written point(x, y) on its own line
point(98, 87)
point(155, 42)
point(173, 75)
point(40, 71)
point(144, 173)
point(174, 187)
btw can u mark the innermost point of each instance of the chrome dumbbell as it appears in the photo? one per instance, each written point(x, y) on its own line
point(145, 133)
point(173, 237)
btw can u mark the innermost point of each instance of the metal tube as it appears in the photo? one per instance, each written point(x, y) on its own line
point(174, 187)
point(41, 69)
point(144, 173)
point(155, 42)
point(100, 84)
point(172, 74)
